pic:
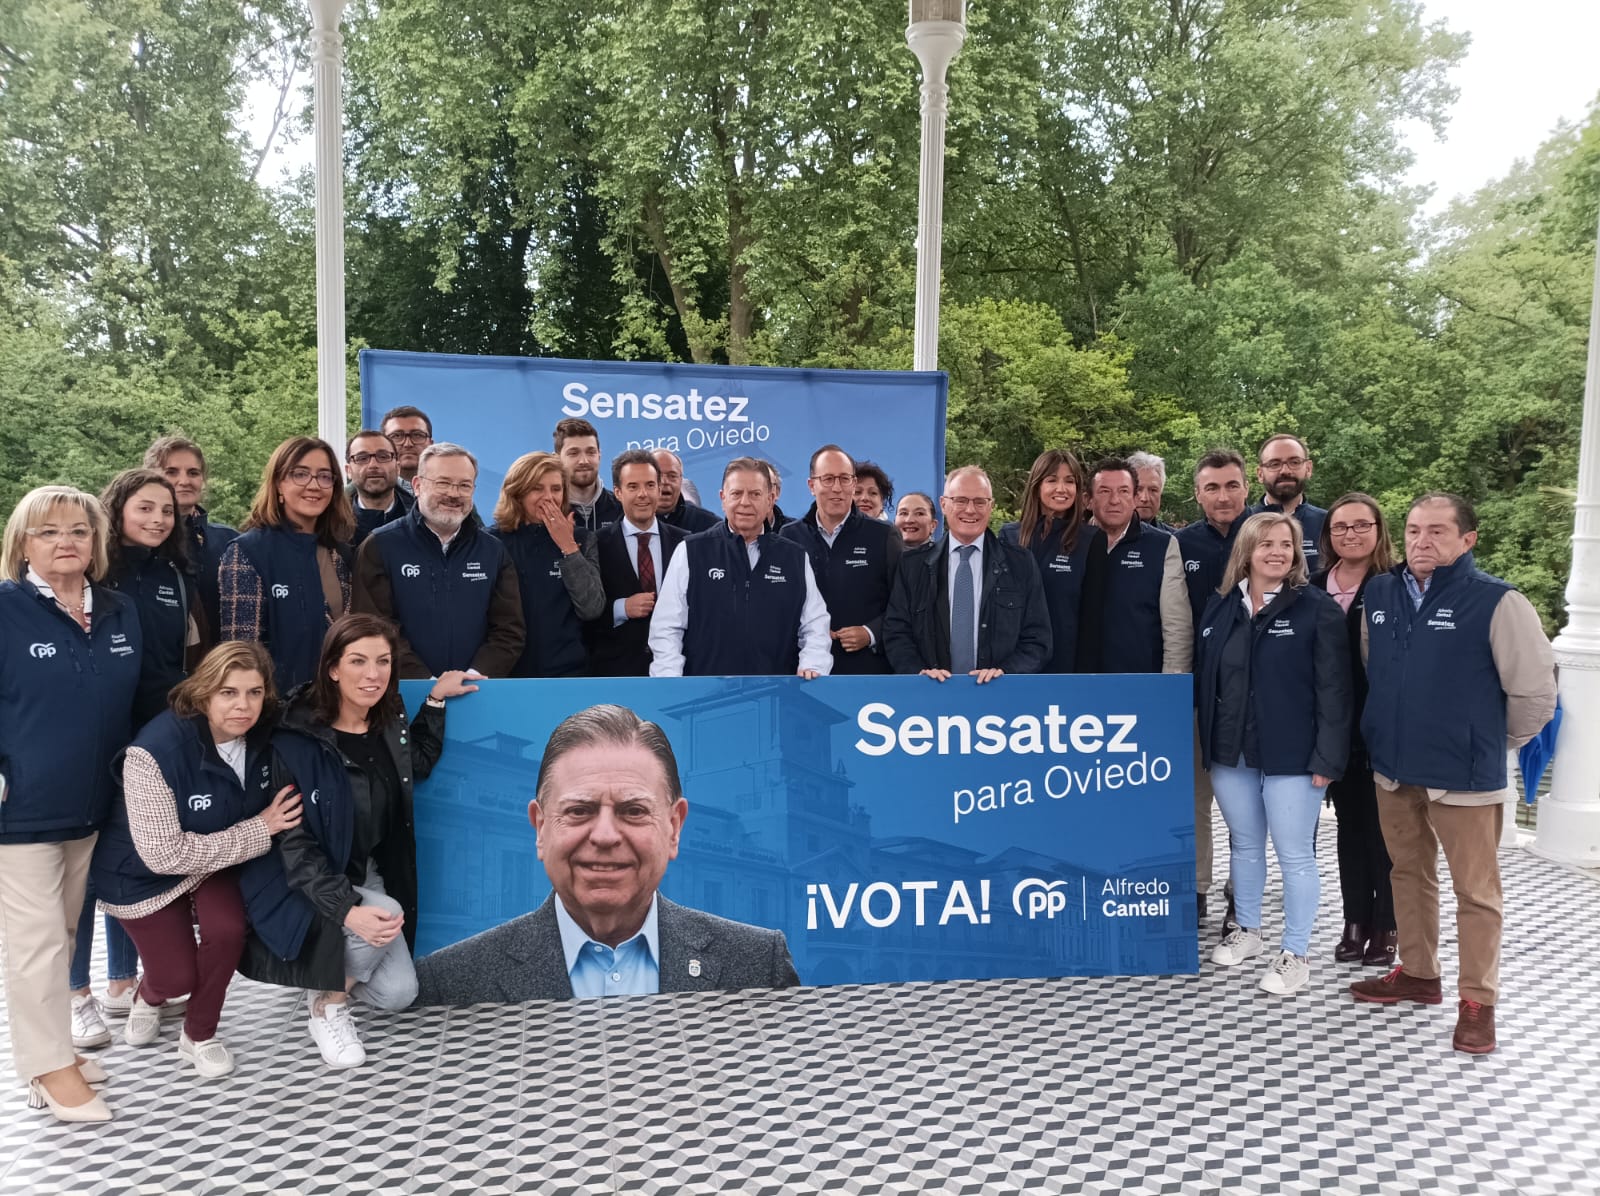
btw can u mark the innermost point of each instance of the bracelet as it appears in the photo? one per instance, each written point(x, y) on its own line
point(433, 701)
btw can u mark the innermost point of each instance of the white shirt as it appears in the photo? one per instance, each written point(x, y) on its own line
point(1266, 597)
point(630, 538)
point(977, 583)
point(671, 619)
point(232, 754)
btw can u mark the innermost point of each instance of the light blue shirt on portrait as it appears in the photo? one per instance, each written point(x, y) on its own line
point(632, 968)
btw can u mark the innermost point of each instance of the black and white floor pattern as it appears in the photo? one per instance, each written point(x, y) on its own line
point(1147, 1085)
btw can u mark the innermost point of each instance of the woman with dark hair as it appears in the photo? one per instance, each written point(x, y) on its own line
point(917, 518)
point(1272, 689)
point(558, 568)
point(287, 577)
point(165, 863)
point(334, 907)
point(874, 490)
point(1356, 541)
point(1053, 528)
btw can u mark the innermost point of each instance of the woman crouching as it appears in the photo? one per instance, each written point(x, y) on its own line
point(197, 801)
point(334, 908)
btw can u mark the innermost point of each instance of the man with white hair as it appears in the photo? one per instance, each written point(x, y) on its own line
point(447, 584)
point(1152, 474)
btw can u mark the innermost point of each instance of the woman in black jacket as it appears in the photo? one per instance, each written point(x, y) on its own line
point(1356, 541)
point(334, 906)
point(1272, 688)
point(1055, 529)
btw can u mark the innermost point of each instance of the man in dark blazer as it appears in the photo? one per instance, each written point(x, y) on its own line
point(967, 603)
point(633, 554)
point(608, 810)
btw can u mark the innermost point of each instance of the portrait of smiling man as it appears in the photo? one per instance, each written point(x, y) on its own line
point(607, 816)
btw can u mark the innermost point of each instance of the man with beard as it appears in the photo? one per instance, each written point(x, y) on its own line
point(410, 431)
point(1283, 466)
point(447, 584)
point(578, 446)
point(373, 468)
point(672, 501)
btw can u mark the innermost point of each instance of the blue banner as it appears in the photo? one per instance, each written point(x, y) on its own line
point(893, 828)
point(502, 407)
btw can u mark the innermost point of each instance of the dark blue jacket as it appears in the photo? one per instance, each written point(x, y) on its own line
point(369, 521)
point(1205, 559)
point(553, 633)
point(457, 608)
point(1296, 693)
point(66, 710)
point(1310, 518)
point(690, 517)
point(606, 508)
point(623, 649)
point(208, 795)
point(742, 622)
point(855, 576)
point(1063, 575)
point(206, 542)
point(294, 612)
point(160, 593)
point(1436, 712)
point(1131, 636)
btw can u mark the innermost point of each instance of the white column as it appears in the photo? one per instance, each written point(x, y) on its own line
point(327, 60)
point(935, 33)
point(1569, 817)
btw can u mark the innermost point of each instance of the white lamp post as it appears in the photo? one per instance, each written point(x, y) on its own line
point(327, 59)
point(935, 33)
point(1569, 817)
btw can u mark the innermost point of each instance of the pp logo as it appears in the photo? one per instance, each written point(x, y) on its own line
point(199, 801)
point(41, 651)
point(716, 574)
point(1191, 566)
point(410, 570)
point(314, 795)
point(1047, 897)
point(1206, 633)
point(280, 590)
point(1377, 616)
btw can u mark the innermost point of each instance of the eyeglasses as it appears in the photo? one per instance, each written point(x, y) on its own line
point(1284, 463)
point(444, 487)
point(301, 476)
point(1351, 529)
point(829, 481)
point(51, 534)
point(976, 504)
point(382, 458)
point(410, 437)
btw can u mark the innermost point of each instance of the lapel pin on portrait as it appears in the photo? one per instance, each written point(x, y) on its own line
point(694, 967)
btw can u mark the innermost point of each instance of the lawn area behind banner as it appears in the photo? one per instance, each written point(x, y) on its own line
point(893, 828)
point(502, 407)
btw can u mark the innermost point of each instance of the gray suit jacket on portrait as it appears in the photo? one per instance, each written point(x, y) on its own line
point(522, 960)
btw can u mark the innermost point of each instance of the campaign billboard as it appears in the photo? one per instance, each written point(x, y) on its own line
point(502, 407)
point(893, 828)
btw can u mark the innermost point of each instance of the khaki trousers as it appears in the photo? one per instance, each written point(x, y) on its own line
point(41, 895)
point(1203, 796)
point(1414, 828)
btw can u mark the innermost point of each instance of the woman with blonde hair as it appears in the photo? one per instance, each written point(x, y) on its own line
point(1272, 686)
point(72, 650)
point(557, 566)
point(287, 577)
point(197, 802)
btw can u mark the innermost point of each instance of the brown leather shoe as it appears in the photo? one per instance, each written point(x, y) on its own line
point(1474, 1028)
point(1382, 948)
point(1397, 987)
point(1354, 944)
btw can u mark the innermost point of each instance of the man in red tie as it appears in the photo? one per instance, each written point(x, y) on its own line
point(633, 554)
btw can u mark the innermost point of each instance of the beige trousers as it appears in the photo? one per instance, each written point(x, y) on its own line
point(41, 895)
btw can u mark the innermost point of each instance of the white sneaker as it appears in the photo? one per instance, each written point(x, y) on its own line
point(1238, 946)
point(210, 1058)
point(118, 1004)
point(144, 1023)
point(335, 1035)
point(88, 1027)
point(1288, 974)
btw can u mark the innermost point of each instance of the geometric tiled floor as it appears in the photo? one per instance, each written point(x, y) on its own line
point(1150, 1084)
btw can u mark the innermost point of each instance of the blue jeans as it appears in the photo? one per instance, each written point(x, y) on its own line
point(122, 957)
point(1254, 805)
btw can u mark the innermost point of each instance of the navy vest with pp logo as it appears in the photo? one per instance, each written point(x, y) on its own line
point(743, 622)
point(441, 595)
point(1311, 519)
point(1131, 639)
point(1435, 713)
point(208, 794)
point(294, 612)
point(161, 595)
point(853, 575)
point(553, 646)
point(1062, 576)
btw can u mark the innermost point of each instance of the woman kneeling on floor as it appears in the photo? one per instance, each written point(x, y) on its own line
point(334, 907)
point(1273, 690)
point(198, 801)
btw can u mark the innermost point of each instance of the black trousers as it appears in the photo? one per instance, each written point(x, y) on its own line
point(1363, 858)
